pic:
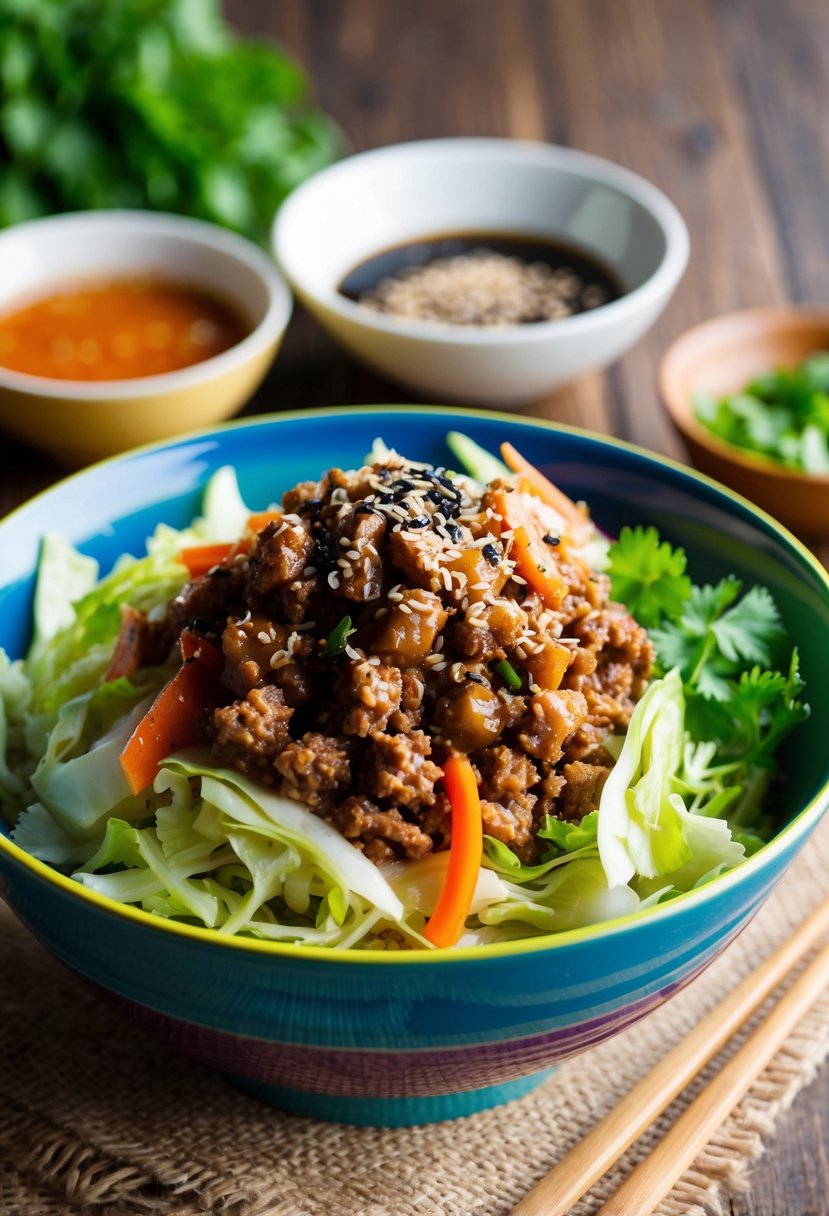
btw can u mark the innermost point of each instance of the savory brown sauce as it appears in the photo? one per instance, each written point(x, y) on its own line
point(482, 278)
point(117, 330)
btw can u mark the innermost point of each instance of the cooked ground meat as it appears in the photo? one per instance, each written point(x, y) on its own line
point(365, 632)
point(358, 818)
point(283, 553)
point(311, 766)
point(398, 769)
point(582, 787)
point(250, 734)
point(369, 694)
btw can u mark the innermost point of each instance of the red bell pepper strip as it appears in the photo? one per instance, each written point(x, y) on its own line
point(167, 725)
point(445, 925)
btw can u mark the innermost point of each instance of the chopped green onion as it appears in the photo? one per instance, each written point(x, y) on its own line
point(509, 675)
point(337, 639)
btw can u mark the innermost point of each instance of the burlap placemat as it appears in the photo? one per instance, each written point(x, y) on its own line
point(96, 1117)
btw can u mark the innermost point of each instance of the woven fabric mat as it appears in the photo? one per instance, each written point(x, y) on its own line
point(97, 1119)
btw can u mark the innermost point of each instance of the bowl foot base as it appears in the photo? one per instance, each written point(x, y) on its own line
point(390, 1112)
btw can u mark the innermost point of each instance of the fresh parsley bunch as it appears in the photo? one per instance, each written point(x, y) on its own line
point(740, 676)
point(150, 103)
point(783, 416)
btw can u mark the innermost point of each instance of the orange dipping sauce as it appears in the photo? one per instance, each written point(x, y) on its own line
point(117, 330)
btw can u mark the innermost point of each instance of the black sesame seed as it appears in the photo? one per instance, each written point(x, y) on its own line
point(324, 556)
point(402, 485)
point(491, 554)
point(551, 540)
point(475, 678)
point(422, 521)
point(365, 508)
point(435, 496)
point(455, 533)
point(311, 506)
point(200, 625)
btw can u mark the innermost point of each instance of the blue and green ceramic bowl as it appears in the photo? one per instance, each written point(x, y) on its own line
point(405, 1038)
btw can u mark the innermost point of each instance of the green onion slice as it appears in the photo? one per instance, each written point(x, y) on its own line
point(509, 675)
point(337, 639)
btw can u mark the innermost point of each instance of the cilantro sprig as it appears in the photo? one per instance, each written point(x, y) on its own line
point(741, 678)
point(150, 103)
point(782, 415)
point(648, 576)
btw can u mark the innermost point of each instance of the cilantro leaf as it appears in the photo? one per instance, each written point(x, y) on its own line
point(751, 630)
point(648, 576)
point(718, 635)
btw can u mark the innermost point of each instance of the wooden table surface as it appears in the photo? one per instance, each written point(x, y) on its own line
point(722, 104)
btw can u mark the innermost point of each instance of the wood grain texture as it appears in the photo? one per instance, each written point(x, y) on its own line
point(722, 103)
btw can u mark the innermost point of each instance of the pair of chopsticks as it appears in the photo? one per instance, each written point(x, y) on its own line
point(651, 1180)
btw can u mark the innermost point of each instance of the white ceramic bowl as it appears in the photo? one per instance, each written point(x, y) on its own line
point(369, 202)
point(83, 420)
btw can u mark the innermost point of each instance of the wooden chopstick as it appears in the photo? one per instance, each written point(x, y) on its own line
point(653, 1178)
point(588, 1160)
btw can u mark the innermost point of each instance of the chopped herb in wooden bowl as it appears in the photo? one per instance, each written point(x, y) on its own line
point(782, 415)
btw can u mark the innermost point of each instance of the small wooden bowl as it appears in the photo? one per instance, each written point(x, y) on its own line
point(721, 356)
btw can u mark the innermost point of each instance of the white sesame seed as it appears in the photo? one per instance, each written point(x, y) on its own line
point(333, 580)
point(405, 608)
point(263, 637)
point(439, 666)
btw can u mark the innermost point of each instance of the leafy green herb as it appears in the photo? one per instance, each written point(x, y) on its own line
point(718, 635)
point(741, 685)
point(338, 638)
point(783, 416)
point(648, 575)
point(150, 103)
point(509, 675)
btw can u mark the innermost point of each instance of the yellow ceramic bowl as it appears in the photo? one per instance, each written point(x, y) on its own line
point(79, 421)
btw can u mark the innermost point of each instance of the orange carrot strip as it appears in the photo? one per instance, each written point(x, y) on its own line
point(536, 483)
point(167, 725)
point(534, 559)
point(261, 519)
point(201, 558)
point(445, 925)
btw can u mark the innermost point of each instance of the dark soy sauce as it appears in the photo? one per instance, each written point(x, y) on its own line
point(558, 255)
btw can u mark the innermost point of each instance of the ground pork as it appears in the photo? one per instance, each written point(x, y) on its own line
point(369, 694)
point(398, 768)
point(357, 818)
point(248, 734)
point(581, 790)
point(311, 767)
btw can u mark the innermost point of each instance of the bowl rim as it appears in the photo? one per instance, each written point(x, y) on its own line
point(802, 824)
point(681, 412)
point(185, 230)
point(662, 279)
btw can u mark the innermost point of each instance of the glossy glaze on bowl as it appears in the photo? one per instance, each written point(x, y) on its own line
point(720, 357)
point(410, 1037)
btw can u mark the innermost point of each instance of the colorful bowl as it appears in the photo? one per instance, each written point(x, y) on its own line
point(720, 357)
point(395, 1039)
point(78, 421)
